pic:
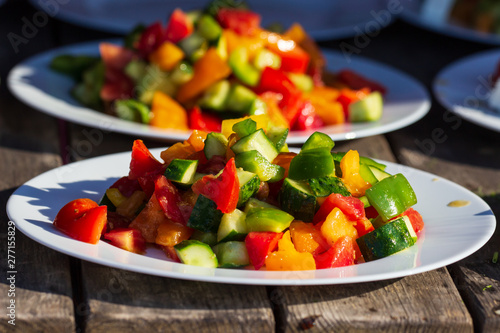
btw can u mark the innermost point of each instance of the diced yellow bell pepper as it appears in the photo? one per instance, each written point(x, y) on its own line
point(336, 226)
point(350, 174)
point(287, 258)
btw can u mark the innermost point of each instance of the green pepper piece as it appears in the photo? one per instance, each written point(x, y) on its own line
point(318, 140)
point(312, 163)
point(391, 196)
point(209, 28)
point(245, 127)
point(132, 110)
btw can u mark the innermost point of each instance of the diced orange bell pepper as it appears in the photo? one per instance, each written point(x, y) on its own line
point(287, 258)
point(307, 238)
point(170, 233)
point(324, 101)
point(167, 113)
point(235, 41)
point(177, 150)
point(337, 225)
point(166, 56)
point(283, 160)
point(209, 69)
point(350, 174)
point(197, 139)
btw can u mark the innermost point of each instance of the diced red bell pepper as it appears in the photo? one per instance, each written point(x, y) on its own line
point(224, 189)
point(307, 119)
point(169, 199)
point(352, 207)
point(357, 81)
point(293, 58)
point(151, 38)
point(276, 81)
point(416, 219)
point(363, 226)
point(204, 121)
point(142, 161)
point(179, 26)
point(259, 244)
point(126, 186)
point(242, 21)
point(82, 219)
point(339, 255)
point(128, 239)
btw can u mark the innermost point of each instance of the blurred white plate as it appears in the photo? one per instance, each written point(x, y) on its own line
point(34, 83)
point(323, 19)
point(435, 18)
point(450, 234)
point(463, 87)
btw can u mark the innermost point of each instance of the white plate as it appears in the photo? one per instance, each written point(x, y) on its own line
point(322, 19)
point(435, 19)
point(449, 235)
point(463, 88)
point(34, 83)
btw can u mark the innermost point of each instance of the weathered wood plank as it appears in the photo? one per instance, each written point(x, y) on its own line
point(121, 301)
point(426, 302)
point(41, 283)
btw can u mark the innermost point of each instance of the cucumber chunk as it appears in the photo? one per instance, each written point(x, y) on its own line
point(324, 186)
point(232, 227)
point(256, 141)
point(215, 144)
point(255, 204)
point(368, 109)
point(268, 219)
point(253, 161)
point(297, 199)
point(249, 185)
point(182, 171)
point(240, 99)
point(196, 253)
point(205, 216)
point(278, 136)
point(388, 239)
point(232, 254)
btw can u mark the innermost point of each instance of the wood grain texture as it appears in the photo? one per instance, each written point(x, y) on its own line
point(121, 301)
point(42, 288)
point(426, 302)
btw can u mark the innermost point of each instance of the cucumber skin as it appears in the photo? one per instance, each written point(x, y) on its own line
point(248, 189)
point(324, 186)
point(205, 216)
point(300, 204)
point(386, 240)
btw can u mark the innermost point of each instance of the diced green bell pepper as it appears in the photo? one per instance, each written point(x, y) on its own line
point(312, 163)
point(391, 196)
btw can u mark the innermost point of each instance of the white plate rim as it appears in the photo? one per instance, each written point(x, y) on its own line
point(460, 88)
point(30, 220)
point(398, 112)
point(445, 28)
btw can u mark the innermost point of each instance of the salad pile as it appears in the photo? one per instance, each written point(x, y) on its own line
point(240, 198)
point(219, 63)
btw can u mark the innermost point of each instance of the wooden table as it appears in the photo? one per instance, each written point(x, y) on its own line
point(57, 293)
